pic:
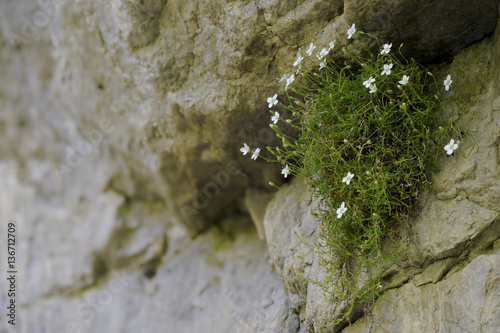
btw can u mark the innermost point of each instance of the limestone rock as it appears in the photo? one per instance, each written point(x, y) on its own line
point(121, 125)
point(457, 223)
point(256, 202)
point(175, 87)
point(467, 301)
point(221, 282)
point(430, 30)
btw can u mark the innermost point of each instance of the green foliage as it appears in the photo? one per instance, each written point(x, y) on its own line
point(389, 139)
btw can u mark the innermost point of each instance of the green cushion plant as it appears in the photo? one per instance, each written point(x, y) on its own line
point(369, 137)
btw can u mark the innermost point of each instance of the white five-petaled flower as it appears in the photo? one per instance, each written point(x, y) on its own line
point(387, 69)
point(310, 49)
point(272, 100)
point(255, 154)
point(404, 80)
point(289, 80)
point(245, 149)
point(321, 65)
point(286, 171)
point(331, 45)
point(373, 88)
point(298, 60)
point(276, 117)
point(283, 78)
point(347, 179)
point(322, 54)
point(447, 83)
point(368, 82)
point(387, 49)
point(450, 147)
point(351, 31)
point(341, 210)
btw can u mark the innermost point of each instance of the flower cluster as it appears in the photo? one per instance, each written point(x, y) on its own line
point(246, 149)
point(370, 84)
point(364, 145)
point(300, 57)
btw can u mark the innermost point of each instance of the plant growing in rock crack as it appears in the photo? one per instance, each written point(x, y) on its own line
point(368, 138)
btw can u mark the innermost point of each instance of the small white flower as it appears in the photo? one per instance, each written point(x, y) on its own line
point(347, 179)
point(387, 69)
point(272, 100)
point(368, 82)
point(255, 154)
point(276, 117)
point(387, 49)
point(245, 149)
point(286, 171)
point(345, 140)
point(404, 80)
point(289, 80)
point(351, 31)
point(447, 83)
point(298, 60)
point(331, 45)
point(450, 147)
point(310, 49)
point(322, 54)
point(341, 210)
point(283, 78)
point(373, 88)
point(321, 65)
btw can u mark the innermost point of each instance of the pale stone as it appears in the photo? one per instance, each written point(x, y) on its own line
point(256, 202)
point(467, 301)
point(199, 289)
point(121, 125)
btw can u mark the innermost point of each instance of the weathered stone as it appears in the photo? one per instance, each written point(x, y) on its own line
point(430, 30)
point(214, 284)
point(256, 202)
point(434, 272)
point(458, 224)
point(467, 301)
point(121, 125)
point(287, 222)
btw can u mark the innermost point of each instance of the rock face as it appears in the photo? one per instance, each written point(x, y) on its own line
point(121, 123)
point(430, 30)
point(465, 302)
point(450, 282)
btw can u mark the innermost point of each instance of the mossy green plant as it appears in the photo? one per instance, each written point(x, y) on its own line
point(369, 140)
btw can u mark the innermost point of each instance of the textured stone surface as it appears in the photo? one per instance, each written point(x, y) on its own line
point(468, 301)
point(428, 29)
point(173, 88)
point(121, 123)
point(214, 284)
point(455, 224)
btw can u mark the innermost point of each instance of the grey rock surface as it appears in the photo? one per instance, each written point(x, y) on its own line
point(430, 30)
point(121, 123)
point(213, 284)
point(455, 224)
point(468, 301)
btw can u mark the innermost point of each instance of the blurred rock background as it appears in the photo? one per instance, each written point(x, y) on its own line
point(121, 124)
